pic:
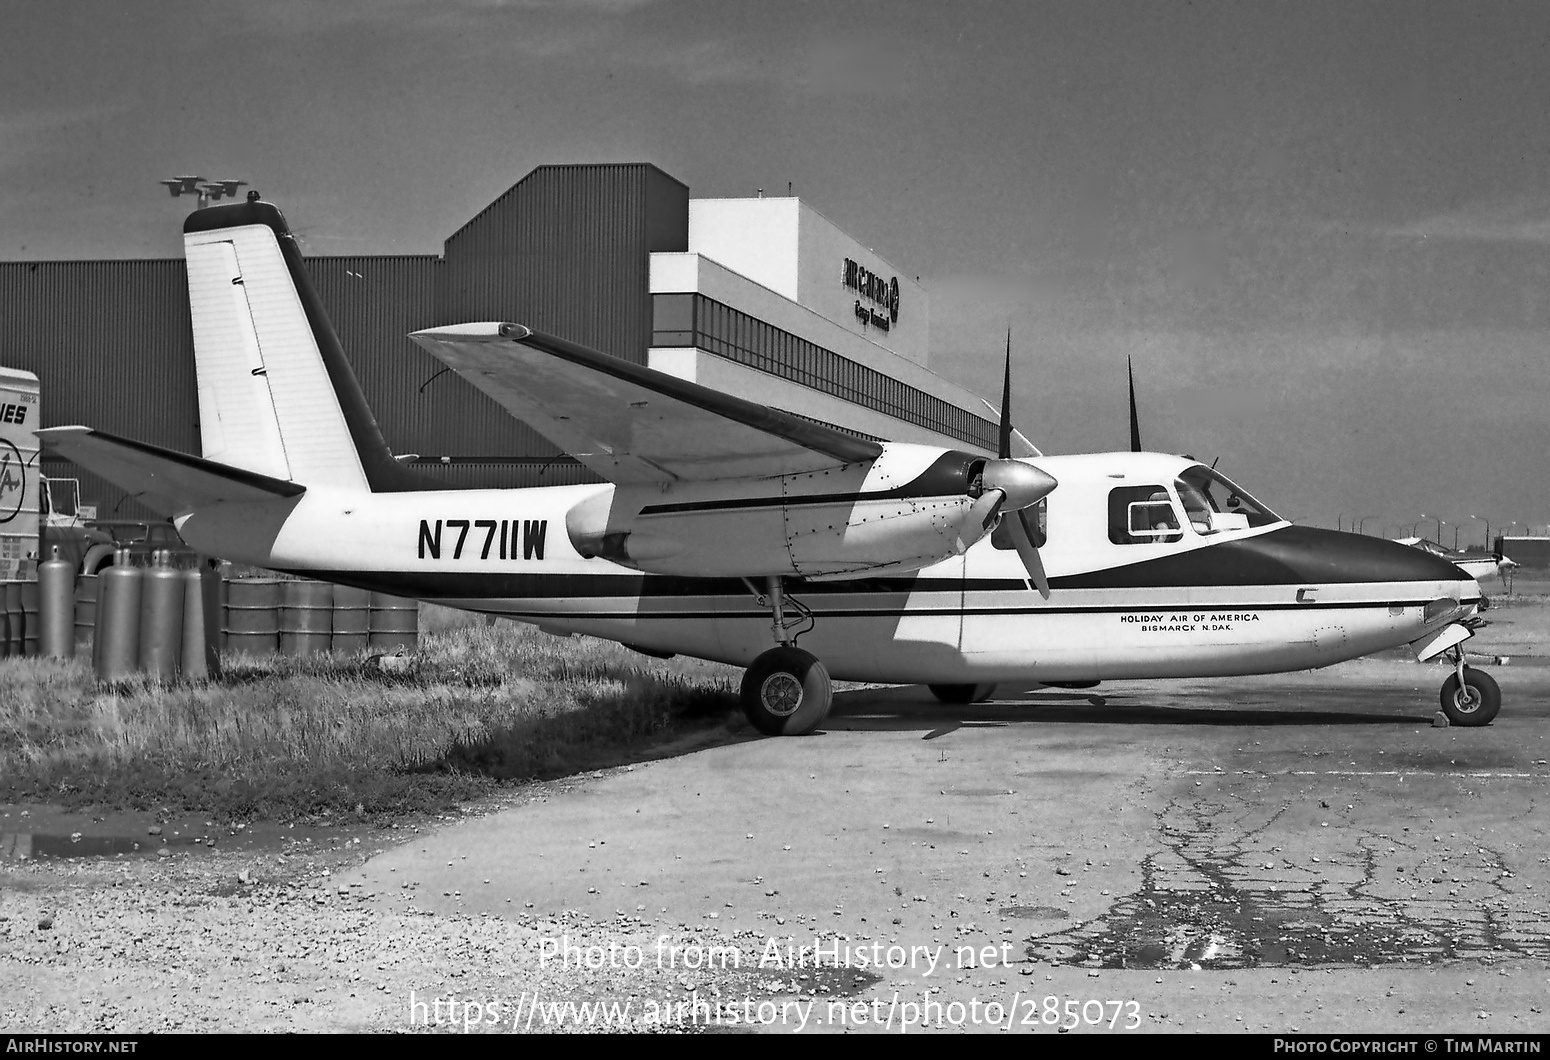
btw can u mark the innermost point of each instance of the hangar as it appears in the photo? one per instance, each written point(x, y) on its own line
point(760, 297)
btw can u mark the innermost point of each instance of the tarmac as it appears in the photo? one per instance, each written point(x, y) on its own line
point(1302, 851)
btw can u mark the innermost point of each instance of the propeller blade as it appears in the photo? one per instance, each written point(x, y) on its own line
point(1135, 426)
point(995, 510)
point(983, 514)
point(1005, 449)
point(1028, 552)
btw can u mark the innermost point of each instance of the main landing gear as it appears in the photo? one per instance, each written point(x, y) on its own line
point(1469, 696)
point(786, 692)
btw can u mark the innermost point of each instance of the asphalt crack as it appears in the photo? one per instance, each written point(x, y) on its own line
point(1210, 901)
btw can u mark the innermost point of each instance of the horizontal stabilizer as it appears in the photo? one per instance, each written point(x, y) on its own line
point(632, 424)
point(169, 483)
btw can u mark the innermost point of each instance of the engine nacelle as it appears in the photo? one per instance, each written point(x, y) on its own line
point(909, 508)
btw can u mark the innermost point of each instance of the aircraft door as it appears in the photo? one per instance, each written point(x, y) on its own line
point(997, 596)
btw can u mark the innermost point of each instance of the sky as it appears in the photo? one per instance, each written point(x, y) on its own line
point(1321, 232)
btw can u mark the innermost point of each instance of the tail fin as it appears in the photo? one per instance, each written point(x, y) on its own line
point(276, 395)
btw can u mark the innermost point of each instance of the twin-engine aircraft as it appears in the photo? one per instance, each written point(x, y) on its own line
point(732, 531)
point(1477, 565)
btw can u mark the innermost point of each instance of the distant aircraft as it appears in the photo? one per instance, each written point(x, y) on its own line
point(1476, 565)
point(729, 530)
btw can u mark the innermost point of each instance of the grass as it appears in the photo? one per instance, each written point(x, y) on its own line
point(282, 737)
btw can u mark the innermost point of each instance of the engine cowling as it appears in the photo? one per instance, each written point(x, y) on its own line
point(913, 506)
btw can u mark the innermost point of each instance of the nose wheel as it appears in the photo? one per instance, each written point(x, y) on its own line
point(1470, 697)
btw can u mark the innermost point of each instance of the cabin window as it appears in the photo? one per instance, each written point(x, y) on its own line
point(1001, 536)
point(1142, 515)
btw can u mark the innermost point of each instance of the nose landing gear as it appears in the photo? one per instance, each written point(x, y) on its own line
point(786, 692)
point(1469, 696)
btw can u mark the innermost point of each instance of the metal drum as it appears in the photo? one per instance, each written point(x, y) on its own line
point(32, 622)
point(13, 618)
point(253, 615)
point(85, 613)
point(352, 618)
point(395, 622)
point(307, 620)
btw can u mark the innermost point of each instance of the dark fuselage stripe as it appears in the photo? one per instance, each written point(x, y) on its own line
point(928, 612)
point(500, 588)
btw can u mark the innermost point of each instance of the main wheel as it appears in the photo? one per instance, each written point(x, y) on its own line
point(786, 692)
point(1476, 703)
point(959, 694)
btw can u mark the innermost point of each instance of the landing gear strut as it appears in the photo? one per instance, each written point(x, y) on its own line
point(786, 692)
point(1469, 696)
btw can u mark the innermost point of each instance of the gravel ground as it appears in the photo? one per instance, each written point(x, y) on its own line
point(263, 940)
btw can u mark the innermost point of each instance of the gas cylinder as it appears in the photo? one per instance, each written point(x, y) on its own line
point(56, 590)
point(195, 667)
point(161, 618)
point(117, 652)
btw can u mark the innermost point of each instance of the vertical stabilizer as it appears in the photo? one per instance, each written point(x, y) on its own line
point(276, 395)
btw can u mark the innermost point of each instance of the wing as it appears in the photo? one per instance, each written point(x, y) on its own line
point(167, 482)
point(632, 424)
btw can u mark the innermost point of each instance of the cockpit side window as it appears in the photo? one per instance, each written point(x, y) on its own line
point(1214, 503)
point(1142, 515)
point(1001, 536)
point(1197, 508)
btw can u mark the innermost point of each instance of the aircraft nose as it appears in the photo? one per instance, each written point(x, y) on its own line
point(1330, 556)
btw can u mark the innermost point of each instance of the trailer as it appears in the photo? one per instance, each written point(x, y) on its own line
point(20, 415)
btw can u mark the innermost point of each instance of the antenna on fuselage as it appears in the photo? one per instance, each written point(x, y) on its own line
point(1135, 425)
point(1005, 448)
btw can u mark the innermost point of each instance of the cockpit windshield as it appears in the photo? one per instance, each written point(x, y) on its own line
point(1214, 504)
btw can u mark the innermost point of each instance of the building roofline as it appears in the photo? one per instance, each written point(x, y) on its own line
point(536, 170)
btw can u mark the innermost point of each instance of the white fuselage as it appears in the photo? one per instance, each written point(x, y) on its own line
point(1153, 608)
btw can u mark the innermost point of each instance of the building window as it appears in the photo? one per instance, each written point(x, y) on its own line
point(694, 320)
point(672, 320)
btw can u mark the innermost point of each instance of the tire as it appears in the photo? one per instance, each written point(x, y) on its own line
point(960, 694)
point(1475, 704)
point(786, 692)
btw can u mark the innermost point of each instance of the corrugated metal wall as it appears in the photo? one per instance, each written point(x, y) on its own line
point(508, 474)
point(109, 343)
point(374, 303)
point(565, 250)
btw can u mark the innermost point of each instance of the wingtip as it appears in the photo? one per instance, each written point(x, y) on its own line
point(58, 434)
point(481, 330)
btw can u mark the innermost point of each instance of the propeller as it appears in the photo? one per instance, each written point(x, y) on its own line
point(1012, 487)
point(1135, 426)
